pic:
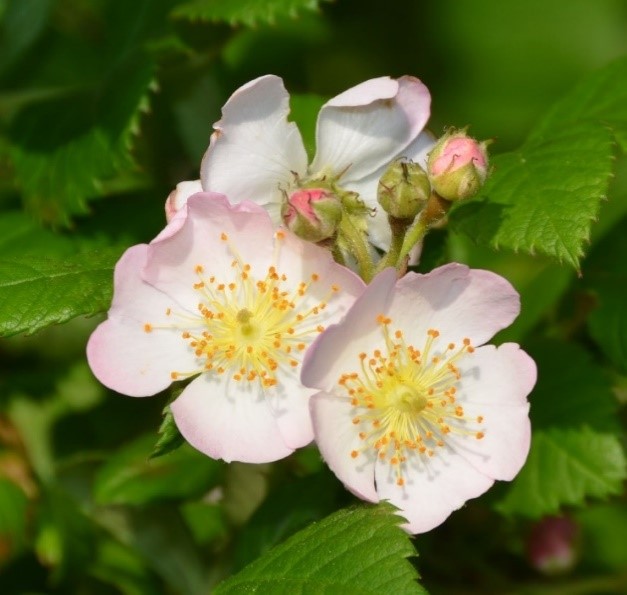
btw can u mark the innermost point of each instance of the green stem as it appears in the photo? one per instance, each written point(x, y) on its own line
point(399, 229)
point(415, 234)
point(358, 247)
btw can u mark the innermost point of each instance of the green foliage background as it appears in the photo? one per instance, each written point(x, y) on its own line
point(106, 104)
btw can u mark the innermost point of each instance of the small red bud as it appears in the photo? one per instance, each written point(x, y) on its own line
point(552, 546)
point(312, 213)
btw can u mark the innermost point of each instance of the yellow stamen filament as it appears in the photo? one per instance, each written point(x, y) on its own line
point(405, 399)
point(248, 326)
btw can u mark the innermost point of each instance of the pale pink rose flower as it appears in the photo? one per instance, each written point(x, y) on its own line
point(413, 407)
point(225, 300)
point(256, 154)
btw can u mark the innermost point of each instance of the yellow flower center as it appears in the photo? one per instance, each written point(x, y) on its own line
point(248, 327)
point(404, 399)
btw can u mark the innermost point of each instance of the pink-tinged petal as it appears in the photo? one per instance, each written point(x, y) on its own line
point(172, 261)
point(289, 403)
point(336, 350)
point(434, 487)
point(494, 386)
point(229, 420)
point(457, 301)
point(254, 149)
point(125, 354)
point(178, 197)
point(337, 437)
point(367, 126)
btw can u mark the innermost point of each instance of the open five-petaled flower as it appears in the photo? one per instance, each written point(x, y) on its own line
point(414, 408)
point(257, 154)
point(223, 298)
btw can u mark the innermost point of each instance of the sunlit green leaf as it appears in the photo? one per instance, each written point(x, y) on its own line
point(565, 467)
point(244, 12)
point(37, 292)
point(544, 197)
point(169, 436)
point(354, 551)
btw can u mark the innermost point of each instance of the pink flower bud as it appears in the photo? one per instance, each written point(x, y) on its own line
point(552, 547)
point(458, 166)
point(312, 214)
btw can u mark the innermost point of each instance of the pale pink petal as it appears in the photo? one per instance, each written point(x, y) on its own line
point(229, 420)
point(121, 353)
point(457, 301)
point(337, 350)
point(254, 149)
point(434, 487)
point(178, 197)
point(337, 437)
point(173, 260)
point(289, 403)
point(494, 385)
point(368, 125)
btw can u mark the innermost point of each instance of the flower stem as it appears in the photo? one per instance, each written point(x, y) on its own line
point(358, 247)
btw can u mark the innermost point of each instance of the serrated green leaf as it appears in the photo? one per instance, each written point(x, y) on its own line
point(65, 146)
point(130, 476)
point(544, 197)
point(357, 550)
point(37, 292)
point(567, 374)
point(169, 436)
point(244, 12)
point(563, 469)
point(601, 98)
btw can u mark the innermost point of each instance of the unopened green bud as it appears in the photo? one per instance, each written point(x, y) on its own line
point(458, 166)
point(403, 189)
point(312, 214)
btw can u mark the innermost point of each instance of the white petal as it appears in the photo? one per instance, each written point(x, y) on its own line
point(434, 487)
point(367, 126)
point(178, 197)
point(336, 351)
point(457, 301)
point(229, 420)
point(337, 437)
point(122, 355)
point(494, 385)
point(254, 148)
point(172, 261)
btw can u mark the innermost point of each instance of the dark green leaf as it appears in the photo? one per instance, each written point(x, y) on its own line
point(13, 519)
point(564, 468)
point(572, 390)
point(244, 12)
point(354, 551)
point(36, 292)
point(131, 477)
point(169, 436)
point(20, 26)
point(606, 278)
